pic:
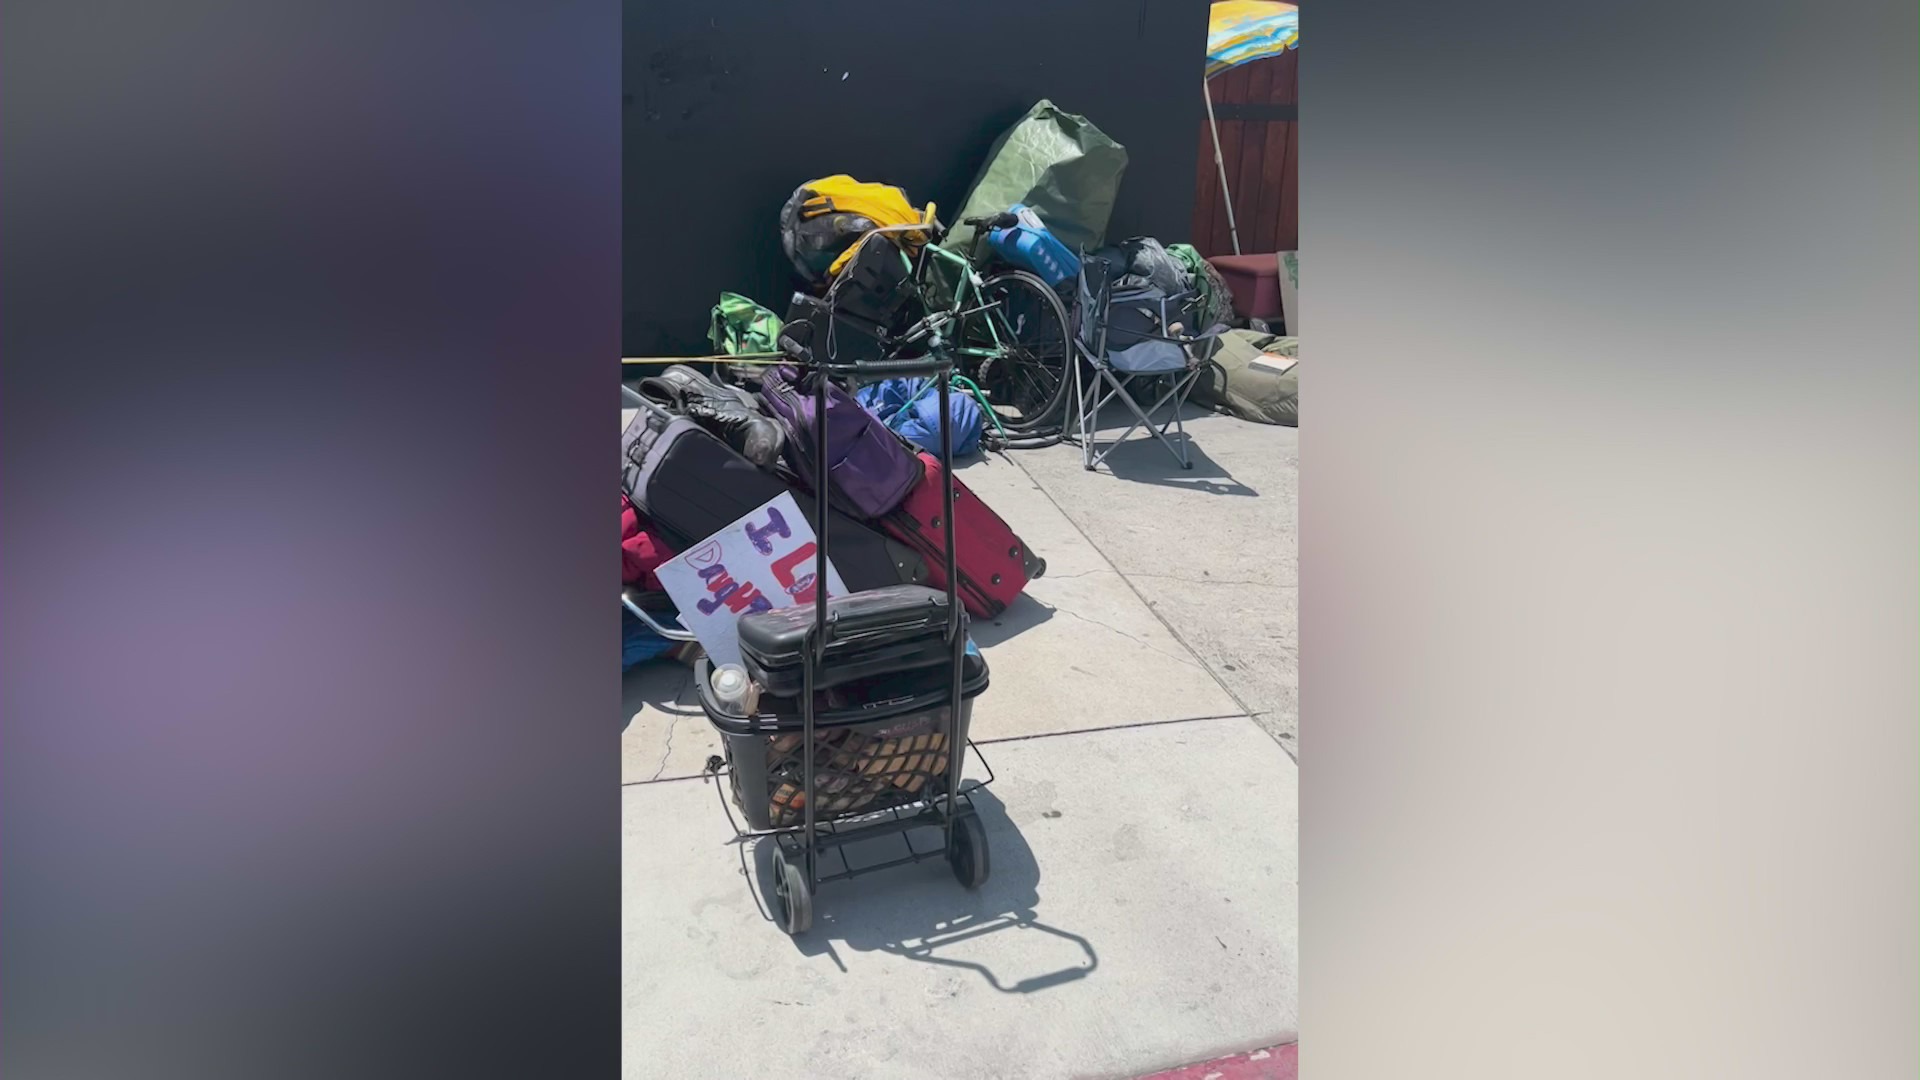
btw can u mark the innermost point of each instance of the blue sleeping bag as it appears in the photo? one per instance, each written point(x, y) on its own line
point(638, 642)
point(912, 408)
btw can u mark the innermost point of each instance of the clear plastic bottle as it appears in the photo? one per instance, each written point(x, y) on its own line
point(734, 690)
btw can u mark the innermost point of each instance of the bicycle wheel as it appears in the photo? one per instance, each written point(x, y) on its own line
point(1025, 334)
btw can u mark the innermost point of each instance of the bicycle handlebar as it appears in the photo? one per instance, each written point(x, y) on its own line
point(1002, 220)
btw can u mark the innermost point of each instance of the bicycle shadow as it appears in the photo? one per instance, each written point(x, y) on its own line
point(920, 913)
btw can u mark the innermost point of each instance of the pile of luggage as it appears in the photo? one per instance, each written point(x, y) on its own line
point(878, 720)
point(699, 455)
point(705, 450)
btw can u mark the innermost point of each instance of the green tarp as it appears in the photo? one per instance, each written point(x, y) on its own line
point(1058, 163)
point(1253, 376)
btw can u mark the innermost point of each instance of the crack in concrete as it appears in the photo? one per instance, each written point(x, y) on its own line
point(686, 684)
point(668, 752)
point(1109, 727)
point(1212, 580)
point(1083, 573)
point(1197, 660)
point(1188, 660)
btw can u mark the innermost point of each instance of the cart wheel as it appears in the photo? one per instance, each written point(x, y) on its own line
point(968, 855)
point(796, 902)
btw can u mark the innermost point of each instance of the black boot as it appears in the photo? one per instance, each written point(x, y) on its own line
point(726, 411)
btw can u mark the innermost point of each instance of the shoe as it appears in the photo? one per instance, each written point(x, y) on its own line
point(727, 411)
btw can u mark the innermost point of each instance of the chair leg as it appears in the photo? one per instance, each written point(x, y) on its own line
point(1176, 398)
point(1174, 394)
point(1141, 418)
point(1105, 387)
point(1084, 392)
point(1100, 397)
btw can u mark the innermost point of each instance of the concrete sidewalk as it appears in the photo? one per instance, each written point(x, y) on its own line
point(1213, 551)
point(1141, 911)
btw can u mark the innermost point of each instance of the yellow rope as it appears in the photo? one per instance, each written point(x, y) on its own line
point(735, 358)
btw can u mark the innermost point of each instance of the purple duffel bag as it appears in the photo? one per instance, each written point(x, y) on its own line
point(869, 469)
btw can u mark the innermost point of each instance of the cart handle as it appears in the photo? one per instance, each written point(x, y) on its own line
point(670, 633)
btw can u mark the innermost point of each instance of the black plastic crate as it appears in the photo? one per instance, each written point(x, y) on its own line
point(878, 745)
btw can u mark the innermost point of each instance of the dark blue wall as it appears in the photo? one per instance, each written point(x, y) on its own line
point(729, 107)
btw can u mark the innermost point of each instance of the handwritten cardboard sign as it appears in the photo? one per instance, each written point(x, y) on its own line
point(762, 562)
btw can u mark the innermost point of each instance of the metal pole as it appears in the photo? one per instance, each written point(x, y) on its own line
point(816, 652)
point(1219, 163)
point(956, 636)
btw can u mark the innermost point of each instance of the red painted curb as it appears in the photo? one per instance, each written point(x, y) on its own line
point(1273, 1063)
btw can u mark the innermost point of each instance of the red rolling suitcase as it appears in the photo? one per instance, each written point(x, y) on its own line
point(995, 565)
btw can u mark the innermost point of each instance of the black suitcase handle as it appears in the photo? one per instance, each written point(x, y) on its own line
point(891, 369)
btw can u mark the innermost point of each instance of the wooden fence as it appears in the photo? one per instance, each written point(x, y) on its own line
point(1257, 107)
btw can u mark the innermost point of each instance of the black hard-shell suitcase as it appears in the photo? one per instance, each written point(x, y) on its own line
point(691, 485)
point(869, 634)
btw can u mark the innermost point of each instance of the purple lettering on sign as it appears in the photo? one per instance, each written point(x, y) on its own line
point(735, 596)
point(777, 526)
point(720, 584)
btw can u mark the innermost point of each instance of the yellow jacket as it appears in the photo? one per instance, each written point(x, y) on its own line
point(883, 204)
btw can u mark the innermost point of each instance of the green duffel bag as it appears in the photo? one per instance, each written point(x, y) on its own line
point(1059, 164)
point(742, 327)
point(1216, 300)
point(1253, 376)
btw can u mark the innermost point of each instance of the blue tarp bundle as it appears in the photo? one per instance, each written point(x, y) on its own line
point(912, 408)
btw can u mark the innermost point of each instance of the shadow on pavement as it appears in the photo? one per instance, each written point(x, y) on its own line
point(664, 685)
point(1142, 460)
point(920, 913)
point(1022, 615)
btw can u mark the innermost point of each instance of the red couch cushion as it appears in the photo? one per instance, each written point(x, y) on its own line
point(1254, 281)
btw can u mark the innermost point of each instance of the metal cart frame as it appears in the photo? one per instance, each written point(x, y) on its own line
point(946, 805)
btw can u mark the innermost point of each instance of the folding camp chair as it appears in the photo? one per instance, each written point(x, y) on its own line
point(1128, 337)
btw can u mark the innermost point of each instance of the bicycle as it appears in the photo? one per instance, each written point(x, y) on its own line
point(1007, 329)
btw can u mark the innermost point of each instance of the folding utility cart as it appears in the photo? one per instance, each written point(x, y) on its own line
point(840, 754)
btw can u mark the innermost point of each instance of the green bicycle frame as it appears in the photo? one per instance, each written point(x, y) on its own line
point(966, 285)
point(967, 288)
